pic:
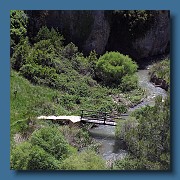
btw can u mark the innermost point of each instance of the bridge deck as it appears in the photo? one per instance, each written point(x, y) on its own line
point(110, 123)
point(73, 119)
point(99, 118)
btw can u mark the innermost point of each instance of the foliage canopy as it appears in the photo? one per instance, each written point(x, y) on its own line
point(112, 67)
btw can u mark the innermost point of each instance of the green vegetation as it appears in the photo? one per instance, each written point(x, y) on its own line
point(52, 141)
point(136, 22)
point(47, 149)
point(115, 68)
point(86, 160)
point(51, 78)
point(18, 29)
point(147, 135)
point(161, 70)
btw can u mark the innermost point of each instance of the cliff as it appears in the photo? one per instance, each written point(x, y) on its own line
point(139, 34)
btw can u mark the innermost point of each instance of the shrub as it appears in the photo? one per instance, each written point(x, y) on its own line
point(149, 139)
point(40, 75)
point(113, 66)
point(129, 82)
point(69, 50)
point(29, 157)
point(20, 156)
point(52, 141)
point(86, 160)
point(92, 59)
point(19, 57)
point(121, 108)
point(124, 126)
point(39, 159)
point(162, 70)
point(131, 163)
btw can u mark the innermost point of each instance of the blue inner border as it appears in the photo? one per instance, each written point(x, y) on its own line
point(6, 6)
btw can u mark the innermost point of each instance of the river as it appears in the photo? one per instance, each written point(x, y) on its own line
point(110, 148)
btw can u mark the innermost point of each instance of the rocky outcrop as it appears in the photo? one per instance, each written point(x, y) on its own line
point(104, 31)
point(98, 38)
point(159, 82)
point(89, 30)
point(156, 40)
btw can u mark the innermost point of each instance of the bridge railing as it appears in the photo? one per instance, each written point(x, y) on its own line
point(94, 115)
point(100, 115)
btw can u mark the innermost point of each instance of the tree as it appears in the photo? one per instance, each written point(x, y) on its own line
point(55, 38)
point(18, 27)
point(21, 52)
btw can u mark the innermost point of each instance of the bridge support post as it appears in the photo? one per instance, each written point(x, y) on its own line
point(82, 111)
point(105, 117)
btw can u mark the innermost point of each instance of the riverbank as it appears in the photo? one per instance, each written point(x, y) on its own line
point(110, 149)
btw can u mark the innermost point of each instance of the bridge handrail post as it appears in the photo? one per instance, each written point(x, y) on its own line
point(105, 117)
point(82, 113)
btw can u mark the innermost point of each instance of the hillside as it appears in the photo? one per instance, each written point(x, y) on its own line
point(52, 75)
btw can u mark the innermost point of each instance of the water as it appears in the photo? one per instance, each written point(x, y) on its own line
point(112, 149)
point(151, 90)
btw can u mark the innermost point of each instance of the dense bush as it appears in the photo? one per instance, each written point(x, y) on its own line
point(21, 52)
point(39, 159)
point(18, 27)
point(55, 38)
point(52, 141)
point(131, 163)
point(161, 70)
point(20, 156)
point(77, 137)
point(86, 160)
point(70, 50)
point(113, 66)
point(29, 157)
point(129, 82)
point(92, 59)
point(148, 135)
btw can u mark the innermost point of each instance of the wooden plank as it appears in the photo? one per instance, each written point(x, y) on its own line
point(100, 122)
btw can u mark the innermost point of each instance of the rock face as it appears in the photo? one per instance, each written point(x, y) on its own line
point(155, 41)
point(98, 38)
point(94, 30)
point(159, 82)
point(88, 29)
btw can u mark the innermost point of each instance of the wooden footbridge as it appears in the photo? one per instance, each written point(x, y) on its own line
point(87, 116)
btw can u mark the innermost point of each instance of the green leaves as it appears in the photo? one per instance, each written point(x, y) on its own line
point(113, 66)
point(161, 70)
point(52, 141)
point(45, 151)
point(149, 138)
point(18, 26)
point(29, 157)
point(21, 52)
point(55, 38)
point(39, 159)
point(20, 156)
point(86, 160)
